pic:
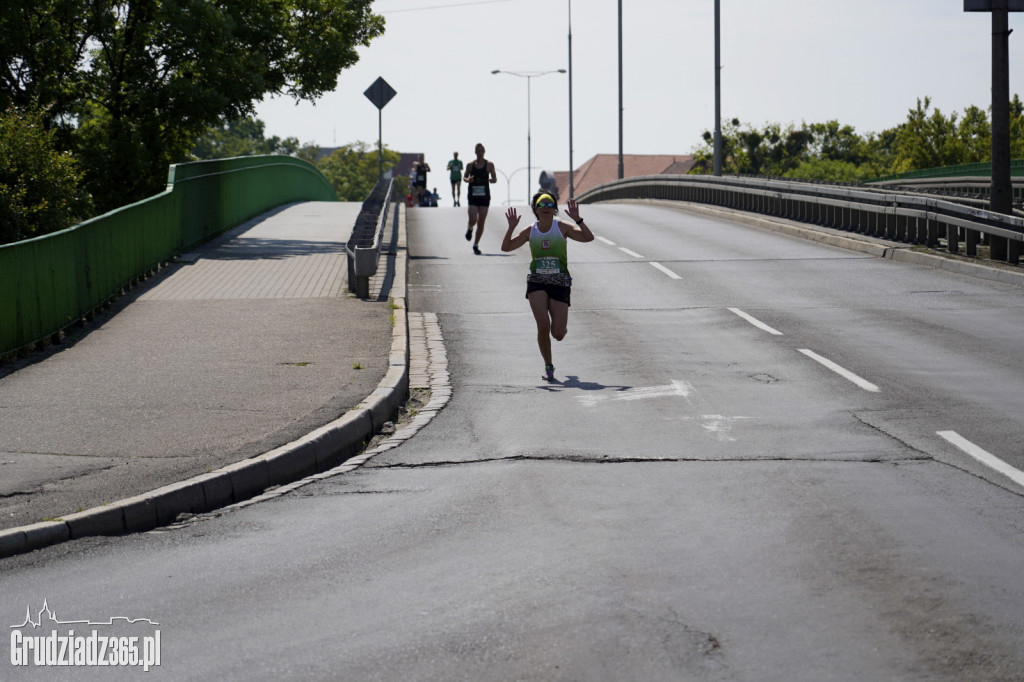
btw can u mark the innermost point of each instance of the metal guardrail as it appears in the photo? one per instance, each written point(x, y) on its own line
point(363, 247)
point(975, 189)
point(887, 214)
point(53, 282)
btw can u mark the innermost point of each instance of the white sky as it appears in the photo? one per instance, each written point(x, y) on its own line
point(861, 62)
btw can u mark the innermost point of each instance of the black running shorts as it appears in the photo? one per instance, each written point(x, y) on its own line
point(554, 291)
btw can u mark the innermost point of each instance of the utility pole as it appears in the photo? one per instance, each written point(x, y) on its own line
point(1001, 192)
point(572, 169)
point(1001, 197)
point(718, 91)
point(620, 90)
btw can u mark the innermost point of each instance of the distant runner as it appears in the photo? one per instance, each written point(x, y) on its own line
point(419, 178)
point(455, 175)
point(548, 285)
point(479, 174)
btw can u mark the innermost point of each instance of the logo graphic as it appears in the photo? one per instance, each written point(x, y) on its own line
point(62, 647)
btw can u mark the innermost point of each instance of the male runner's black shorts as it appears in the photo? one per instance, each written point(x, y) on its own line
point(554, 291)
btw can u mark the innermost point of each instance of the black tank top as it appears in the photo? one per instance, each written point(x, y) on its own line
point(480, 185)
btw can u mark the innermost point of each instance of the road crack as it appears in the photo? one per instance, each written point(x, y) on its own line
point(605, 459)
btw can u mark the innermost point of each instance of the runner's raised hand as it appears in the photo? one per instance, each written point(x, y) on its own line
point(513, 218)
point(572, 209)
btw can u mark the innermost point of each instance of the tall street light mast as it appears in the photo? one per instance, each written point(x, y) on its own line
point(718, 90)
point(528, 75)
point(620, 91)
point(572, 168)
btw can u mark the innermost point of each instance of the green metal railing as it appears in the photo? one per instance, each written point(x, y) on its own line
point(964, 169)
point(51, 282)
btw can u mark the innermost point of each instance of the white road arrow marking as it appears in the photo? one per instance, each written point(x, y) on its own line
point(677, 388)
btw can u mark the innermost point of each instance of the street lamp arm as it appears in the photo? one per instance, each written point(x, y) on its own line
point(508, 181)
point(528, 74)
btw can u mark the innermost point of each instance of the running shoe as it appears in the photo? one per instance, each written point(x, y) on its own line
point(469, 234)
point(549, 373)
point(476, 249)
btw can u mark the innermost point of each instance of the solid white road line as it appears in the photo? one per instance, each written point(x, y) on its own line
point(626, 251)
point(756, 322)
point(845, 373)
point(609, 242)
point(989, 460)
point(666, 270)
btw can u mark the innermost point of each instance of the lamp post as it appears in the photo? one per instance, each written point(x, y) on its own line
point(508, 182)
point(621, 171)
point(528, 75)
point(717, 161)
point(572, 169)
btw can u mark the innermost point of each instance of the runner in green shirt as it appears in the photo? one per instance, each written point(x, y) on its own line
point(455, 175)
point(548, 285)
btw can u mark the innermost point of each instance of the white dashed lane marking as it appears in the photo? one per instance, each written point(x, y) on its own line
point(756, 322)
point(668, 272)
point(845, 373)
point(986, 458)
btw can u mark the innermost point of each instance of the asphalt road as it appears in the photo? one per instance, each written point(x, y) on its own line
point(744, 472)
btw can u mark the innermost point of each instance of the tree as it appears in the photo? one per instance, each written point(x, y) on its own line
point(928, 139)
point(833, 141)
point(352, 170)
point(834, 152)
point(242, 137)
point(831, 170)
point(131, 84)
point(1016, 128)
point(746, 150)
point(39, 186)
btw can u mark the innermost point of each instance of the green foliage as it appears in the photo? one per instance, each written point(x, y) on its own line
point(928, 139)
point(241, 137)
point(771, 150)
point(1016, 128)
point(831, 170)
point(132, 84)
point(834, 152)
point(352, 170)
point(39, 186)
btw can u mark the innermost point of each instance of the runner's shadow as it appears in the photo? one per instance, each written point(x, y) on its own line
point(572, 381)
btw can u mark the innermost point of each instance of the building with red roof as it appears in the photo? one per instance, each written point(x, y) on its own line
point(603, 168)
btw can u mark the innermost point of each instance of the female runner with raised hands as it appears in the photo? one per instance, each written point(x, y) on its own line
point(548, 285)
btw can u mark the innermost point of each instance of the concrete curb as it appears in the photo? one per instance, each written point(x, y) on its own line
point(316, 452)
point(861, 243)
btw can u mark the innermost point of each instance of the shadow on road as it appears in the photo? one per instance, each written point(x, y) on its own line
point(572, 381)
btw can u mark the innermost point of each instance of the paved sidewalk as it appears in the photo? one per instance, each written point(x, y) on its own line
point(246, 363)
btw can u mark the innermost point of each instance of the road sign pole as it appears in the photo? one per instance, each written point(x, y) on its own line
point(1002, 190)
point(379, 94)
